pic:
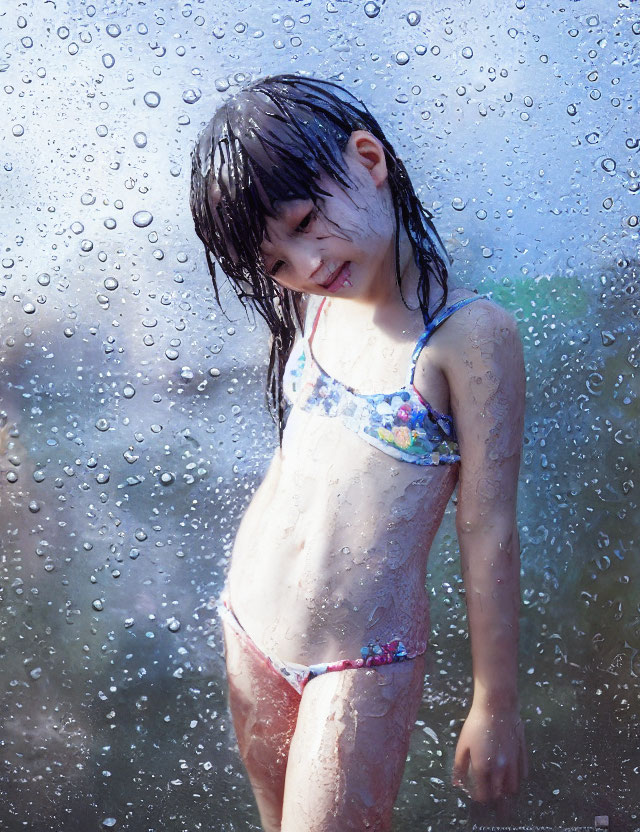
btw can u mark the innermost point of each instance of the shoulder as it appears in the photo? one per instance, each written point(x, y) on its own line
point(474, 326)
point(481, 356)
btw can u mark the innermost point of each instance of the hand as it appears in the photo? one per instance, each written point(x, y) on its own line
point(491, 755)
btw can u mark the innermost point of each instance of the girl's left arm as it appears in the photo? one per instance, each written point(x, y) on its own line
point(484, 367)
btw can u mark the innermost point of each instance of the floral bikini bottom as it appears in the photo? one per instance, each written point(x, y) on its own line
point(298, 675)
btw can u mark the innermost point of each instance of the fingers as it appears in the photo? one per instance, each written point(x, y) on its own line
point(460, 765)
point(498, 784)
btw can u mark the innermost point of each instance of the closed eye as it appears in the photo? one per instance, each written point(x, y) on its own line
point(304, 224)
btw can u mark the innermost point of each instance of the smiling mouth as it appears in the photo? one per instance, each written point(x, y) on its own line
point(333, 276)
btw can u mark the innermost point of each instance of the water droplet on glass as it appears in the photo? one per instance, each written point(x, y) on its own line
point(151, 99)
point(192, 95)
point(140, 139)
point(141, 219)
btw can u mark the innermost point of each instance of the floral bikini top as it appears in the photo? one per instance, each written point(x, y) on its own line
point(401, 424)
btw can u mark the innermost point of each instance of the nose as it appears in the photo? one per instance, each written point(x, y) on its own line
point(305, 260)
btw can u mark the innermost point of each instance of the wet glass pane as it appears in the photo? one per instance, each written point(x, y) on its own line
point(133, 428)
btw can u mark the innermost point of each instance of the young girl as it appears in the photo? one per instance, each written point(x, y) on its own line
point(297, 194)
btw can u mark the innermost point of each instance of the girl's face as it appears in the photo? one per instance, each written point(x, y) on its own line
point(304, 247)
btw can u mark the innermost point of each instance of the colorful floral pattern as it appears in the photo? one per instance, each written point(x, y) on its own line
point(401, 424)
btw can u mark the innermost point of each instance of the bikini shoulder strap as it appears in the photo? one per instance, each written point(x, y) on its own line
point(435, 322)
point(309, 335)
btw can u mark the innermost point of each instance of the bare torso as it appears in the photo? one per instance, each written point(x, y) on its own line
point(332, 551)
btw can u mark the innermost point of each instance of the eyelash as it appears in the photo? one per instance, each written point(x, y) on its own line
point(310, 216)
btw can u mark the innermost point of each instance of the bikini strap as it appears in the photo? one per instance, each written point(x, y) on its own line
point(315, 322)
point(439, 319)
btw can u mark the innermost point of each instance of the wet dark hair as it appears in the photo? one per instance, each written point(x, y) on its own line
point(270, 142)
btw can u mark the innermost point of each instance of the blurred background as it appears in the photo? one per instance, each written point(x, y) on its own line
point(133, 431)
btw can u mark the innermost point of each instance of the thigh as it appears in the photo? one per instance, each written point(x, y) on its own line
point(349, 749)
point(264, 709)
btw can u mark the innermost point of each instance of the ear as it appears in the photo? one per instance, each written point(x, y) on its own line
point(365, 149)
